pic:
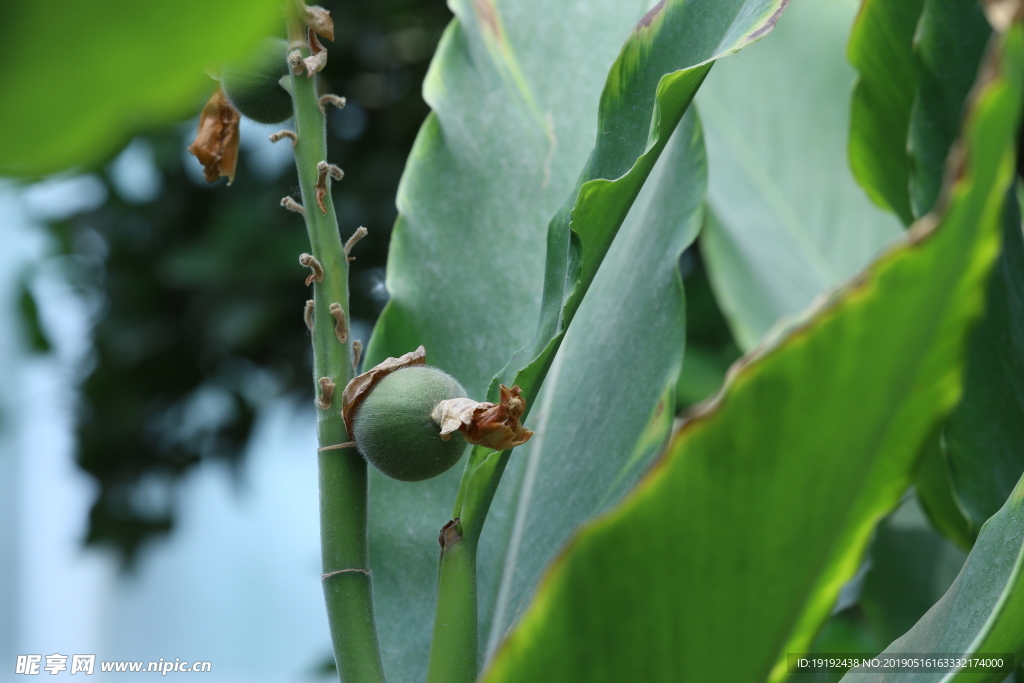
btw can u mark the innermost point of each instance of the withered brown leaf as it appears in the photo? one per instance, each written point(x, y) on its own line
point(216, 143)
point(316, 18)
point(492, 425)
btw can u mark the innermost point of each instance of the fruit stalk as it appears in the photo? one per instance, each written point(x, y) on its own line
point(342, 471)
point(453, 647)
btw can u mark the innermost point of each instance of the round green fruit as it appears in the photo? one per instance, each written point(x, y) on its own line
point(254, 87)
point(394, 431)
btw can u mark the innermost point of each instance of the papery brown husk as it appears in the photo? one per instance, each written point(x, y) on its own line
point(491, 425)
point(359, 386)
point(216, 143)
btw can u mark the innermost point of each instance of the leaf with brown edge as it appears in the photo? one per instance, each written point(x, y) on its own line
point(360, 386)
point(216, 143)
point(742, 502)
point(491, 425)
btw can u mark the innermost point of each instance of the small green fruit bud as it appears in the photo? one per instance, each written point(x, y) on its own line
point(394, 430)
point(254, 87)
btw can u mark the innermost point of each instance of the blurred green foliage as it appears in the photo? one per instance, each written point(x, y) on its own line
point(202, 293)
point(106, 68)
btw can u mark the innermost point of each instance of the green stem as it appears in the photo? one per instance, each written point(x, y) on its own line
point(453, 649)
point(342, 472)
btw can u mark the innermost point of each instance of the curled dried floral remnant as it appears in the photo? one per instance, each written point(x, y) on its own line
point(316, 19)
point(326, 393)
point(310, 262)
point(317, 59)
point(216, 143)
point(360, 386)
point(491, 425)
point(340, 323)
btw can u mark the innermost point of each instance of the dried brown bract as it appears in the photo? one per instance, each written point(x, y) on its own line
point(491, 425)
point(359, 234)
point(216, 143)
point(307, 314)
point(324, 100)
point(317, 59)
point(326, 393)
point(340, 324)
point(292, 205)
point(321, 185)
point(360, 386)
point(317, 19)
point(318, 271)
point(282, 134)
point(357, 352)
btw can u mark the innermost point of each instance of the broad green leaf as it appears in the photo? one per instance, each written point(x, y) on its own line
point(983, 611)
point(981, 456)
point(614, 373)
point(649, 88)
point(789, 221)
point(951, 40)
point(881, 49)
point(81, 78)
point(514, 103)
point(747, 527)
point(984, 437)
point(911, 566)
point(907, 568)
point(514, 89)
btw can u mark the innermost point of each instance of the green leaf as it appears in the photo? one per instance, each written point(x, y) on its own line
point(789, 221)
point(748, 526)
point(935, 491)
point(982, 458)
point(881, 49)
point(907, 569)
point(649, 88)
point(951, 40)
point(80, 78)
point(607, 404)
point(513, 101)
point(911, 567)
point(984, 437)
point(983, 611)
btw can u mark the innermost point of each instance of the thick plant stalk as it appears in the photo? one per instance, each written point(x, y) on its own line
point(453, 648)
point(342, 470)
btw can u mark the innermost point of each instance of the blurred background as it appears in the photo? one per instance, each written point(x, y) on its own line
point(158, 492)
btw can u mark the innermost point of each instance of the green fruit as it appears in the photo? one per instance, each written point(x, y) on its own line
point(254, 87)
point(394, 431)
